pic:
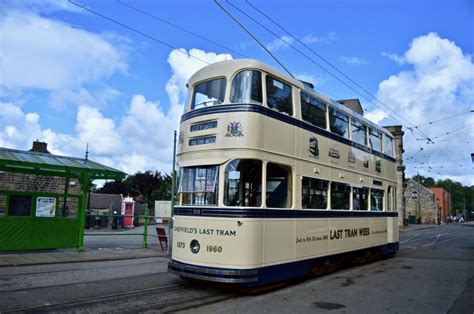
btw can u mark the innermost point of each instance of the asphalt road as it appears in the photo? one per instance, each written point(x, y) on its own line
point(432, 273)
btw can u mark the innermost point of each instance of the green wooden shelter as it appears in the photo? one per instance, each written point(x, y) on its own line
point(33, 217)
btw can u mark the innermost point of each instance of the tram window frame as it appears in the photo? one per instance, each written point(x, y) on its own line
point(309, 192)
point(253, 93)
point(357, 193)
point(221, 93)
point(273, 84)
point(191, 194)
point(345, 190)
point(275, 196)
point(252, 196)
point(388, 143)
point(356, 127)
point(337, 118)
point(372, 198)
point(375, 139)
point(313, 110)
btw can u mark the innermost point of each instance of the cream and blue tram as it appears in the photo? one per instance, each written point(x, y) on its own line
point(275, 177)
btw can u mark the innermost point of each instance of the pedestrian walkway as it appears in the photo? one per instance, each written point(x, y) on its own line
point(97, 248)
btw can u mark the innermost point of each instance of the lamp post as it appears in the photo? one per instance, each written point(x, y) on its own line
point(439, 211)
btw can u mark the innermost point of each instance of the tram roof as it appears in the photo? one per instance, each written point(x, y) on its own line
point(228, 68)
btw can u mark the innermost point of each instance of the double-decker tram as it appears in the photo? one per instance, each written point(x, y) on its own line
point(276, 178)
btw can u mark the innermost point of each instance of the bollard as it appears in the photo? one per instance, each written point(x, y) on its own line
point(145, 231)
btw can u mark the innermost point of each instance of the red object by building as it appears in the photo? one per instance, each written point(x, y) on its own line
point(128, 210)
point(443, 198)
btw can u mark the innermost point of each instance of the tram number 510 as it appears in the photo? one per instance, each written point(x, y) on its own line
point(214, 248)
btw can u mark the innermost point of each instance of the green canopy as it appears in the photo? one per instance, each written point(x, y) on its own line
point(32, 231)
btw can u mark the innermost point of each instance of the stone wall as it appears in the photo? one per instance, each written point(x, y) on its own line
point(424, 207)
point(19, 182)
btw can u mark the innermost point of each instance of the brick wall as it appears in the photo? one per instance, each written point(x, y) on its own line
point(19, 182)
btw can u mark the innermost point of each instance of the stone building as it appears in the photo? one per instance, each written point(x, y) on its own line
point(398, 133)
point(18, 184)
point(420, 203)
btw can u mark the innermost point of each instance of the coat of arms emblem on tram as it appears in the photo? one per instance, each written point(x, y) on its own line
point(234, 129)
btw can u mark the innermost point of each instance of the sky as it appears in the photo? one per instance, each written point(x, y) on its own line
point(73, 78)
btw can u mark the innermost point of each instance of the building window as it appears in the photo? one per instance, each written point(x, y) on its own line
point(388, 146)
point(358, 132)
point(209, 93)
point(313, 110)
point(376, 200)
point(3, 205)
point(198, 185)
point(339, 123)
point(279, 186)
point(247, 87)
point(360, 198)
point(314, 193)
point(375, 140)
point(340, 195)
point(279, 96)
point(243, 183)
point(19, 205)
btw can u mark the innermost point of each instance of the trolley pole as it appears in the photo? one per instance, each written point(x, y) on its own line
point(173, 184)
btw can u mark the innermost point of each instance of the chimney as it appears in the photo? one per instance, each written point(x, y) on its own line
point(353, 104)
point(40, 147)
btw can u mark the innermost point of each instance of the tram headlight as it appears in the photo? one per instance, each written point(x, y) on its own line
point(195, 246)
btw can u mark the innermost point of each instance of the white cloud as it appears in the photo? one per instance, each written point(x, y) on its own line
point(140, 139)
point(353, 60)
point(310, 39)
point(394, 57)
point(286, 41)
point(40, 53)
point(376, 115)
point(435, 86)
point(282, 42)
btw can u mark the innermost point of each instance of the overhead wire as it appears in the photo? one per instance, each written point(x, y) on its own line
point(137, 31)
point(443, 119)
point(179, 27)
point(254, 38)
point(355, 83)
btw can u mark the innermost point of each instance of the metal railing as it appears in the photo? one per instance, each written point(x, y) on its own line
point(115, 219)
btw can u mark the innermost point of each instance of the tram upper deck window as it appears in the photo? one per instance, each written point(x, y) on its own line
point(313, 110)
point(339, 123)
point(243, 183)
point(209, 93)
point(198, 185)
point(247, 87)
point(375, 139)
point(388, 146)
point(279, 96)
point(359, 132)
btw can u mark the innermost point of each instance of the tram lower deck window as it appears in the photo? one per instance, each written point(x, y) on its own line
point(314, 193)
point(340, 195)
point(279, 186)
point(243, 183)
point(360, 198)
point(198, 185)
point(376, 200)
